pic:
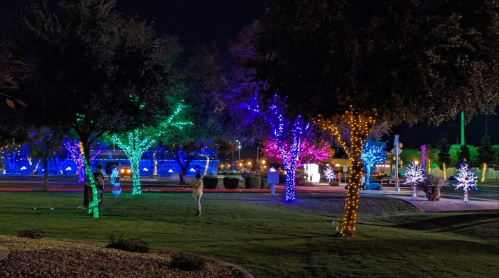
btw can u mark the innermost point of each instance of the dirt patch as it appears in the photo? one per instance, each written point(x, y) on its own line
point(63, 258)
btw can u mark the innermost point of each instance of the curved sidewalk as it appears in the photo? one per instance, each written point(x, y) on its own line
point(449, 205)
point(4, 251)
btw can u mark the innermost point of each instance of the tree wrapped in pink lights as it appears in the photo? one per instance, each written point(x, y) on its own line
point(287, 135)
point(310, 151)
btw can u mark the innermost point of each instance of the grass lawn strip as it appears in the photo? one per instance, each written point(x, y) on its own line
point(271, 239)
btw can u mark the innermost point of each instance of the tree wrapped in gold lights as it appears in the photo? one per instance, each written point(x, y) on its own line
point(351, 131)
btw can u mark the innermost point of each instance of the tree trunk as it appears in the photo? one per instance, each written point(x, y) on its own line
point(86, 161)
point(134, 164)
point(46, 171)
point(352, 199)
point(368, 176)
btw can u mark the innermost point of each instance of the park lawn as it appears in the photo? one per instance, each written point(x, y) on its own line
point(273, 239)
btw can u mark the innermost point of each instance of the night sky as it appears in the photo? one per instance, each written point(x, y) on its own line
point(205, 21)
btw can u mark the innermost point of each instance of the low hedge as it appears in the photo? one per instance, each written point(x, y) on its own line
point(264, 184)
point(210, 182)
point(252, 182)
point(231, 182)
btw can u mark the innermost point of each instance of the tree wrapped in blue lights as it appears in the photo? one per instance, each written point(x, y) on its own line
point(329, 173)
point(288, 135)
point(373, 152)
point(466, 180)
point(414, 174)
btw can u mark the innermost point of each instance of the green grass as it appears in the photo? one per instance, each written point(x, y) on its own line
point(273, 239)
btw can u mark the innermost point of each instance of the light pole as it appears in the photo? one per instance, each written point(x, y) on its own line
point(239, 147)
point(257, 150)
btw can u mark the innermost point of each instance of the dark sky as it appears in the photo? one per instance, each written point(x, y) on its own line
point(193, 21)
point(206, 21)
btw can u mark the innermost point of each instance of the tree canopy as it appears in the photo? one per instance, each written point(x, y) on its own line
point(93, 70)
point(410, 60)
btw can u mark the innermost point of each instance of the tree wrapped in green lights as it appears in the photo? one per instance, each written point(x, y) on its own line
point(134, 143)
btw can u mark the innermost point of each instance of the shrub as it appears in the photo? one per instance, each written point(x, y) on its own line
point(231, 182)
point(374, 186)
point(210, 182)
point(188, 262)
point(129, 244)
point(300, 181)
point(334, 183)
point(252, 182)
point(431, 187)
point(264, 184)
point(31, 233)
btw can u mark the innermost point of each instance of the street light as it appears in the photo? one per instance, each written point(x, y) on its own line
point(416, 162)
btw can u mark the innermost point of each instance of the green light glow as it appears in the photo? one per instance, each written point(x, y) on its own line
point(93, 205)
point(134, 145)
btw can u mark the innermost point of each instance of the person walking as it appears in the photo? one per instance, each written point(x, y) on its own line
point(197, 192)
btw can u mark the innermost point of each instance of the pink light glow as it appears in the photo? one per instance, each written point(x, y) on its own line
point(310, 152)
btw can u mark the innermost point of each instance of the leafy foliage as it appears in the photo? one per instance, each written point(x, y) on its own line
point(443, 154)
point(485, 151)
point(34, 233)
point(127, 244)
point(188, 262)
point(431, 187)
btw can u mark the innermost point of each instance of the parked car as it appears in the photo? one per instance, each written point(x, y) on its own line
point(125, 171)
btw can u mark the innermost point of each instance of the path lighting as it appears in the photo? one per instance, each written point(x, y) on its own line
point(416, 162)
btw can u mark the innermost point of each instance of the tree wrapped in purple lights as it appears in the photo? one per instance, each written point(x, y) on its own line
point(72, 146)
point(373, 152)
point(329, 173)
point(310, 151)
point(466, 179)
point(288, 137)
point(414, 174)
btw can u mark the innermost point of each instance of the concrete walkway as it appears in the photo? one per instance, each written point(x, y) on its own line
point(4, 251)
point(449, 205)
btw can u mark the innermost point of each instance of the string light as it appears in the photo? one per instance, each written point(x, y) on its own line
point(281, 127)
point(359, 126)
point(309, 152)
point(483, 172)
point(112, 180)
point(134, 144)
point(73, 147)
point(329, 174)
point(466, 180)
point(414, 174)
point(93, 205)
point(373, 152)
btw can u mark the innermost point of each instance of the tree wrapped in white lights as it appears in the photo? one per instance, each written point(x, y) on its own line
point(329, 173)
point(466, 180)
point(373, 152)
point(414, 174)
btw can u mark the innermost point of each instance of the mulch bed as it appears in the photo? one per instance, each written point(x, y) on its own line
point(64, 258)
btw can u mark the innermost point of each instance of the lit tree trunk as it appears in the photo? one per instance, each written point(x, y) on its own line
point(359, 128)
point(134, 144)
point(93, 205)
point(45, 172)
point(134, 164)
point(368, 175)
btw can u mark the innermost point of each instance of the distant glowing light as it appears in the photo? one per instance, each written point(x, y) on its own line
point(68, 169)
point(466, 180)
point(23, 168)
point(272, 169)
point(145, 169)
point(192, 170)
point(170, 171)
